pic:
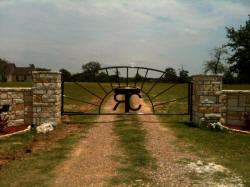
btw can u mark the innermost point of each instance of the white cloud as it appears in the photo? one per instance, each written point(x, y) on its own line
point(191, 32)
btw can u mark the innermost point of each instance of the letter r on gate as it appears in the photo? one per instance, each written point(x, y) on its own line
point(127, 93)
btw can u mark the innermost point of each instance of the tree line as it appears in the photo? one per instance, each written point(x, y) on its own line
point(90, 73)
point(233, 58)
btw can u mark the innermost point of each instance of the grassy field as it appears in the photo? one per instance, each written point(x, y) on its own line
point(78, 92)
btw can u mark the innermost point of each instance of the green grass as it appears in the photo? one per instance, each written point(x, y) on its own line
point(228, 149)
point(16, 142)
point(136, 158)
point(73, 90)
point(236, 86)
point(37, 169)
point(16, 84)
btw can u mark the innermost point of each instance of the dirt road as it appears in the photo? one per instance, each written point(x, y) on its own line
point(90, 162)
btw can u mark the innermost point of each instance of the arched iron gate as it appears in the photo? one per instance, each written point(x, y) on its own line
point(127, 86)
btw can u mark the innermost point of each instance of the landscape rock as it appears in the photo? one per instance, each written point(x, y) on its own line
point(45, 128)
point(199, 167)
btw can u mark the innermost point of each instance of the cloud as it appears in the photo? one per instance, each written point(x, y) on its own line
point(66, 33)
point(191, 32)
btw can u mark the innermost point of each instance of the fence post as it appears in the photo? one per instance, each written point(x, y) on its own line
point(207, 90)
point(46, 97)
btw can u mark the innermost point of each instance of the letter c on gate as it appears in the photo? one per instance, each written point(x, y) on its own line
point(139, 107)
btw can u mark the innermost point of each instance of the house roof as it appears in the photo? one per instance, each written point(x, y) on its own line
point(23, 70)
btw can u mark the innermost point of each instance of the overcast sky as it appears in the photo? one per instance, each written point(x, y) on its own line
point(68, 33)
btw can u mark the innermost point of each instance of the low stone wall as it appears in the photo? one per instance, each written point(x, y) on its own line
point(21, 102)
point(234, 104)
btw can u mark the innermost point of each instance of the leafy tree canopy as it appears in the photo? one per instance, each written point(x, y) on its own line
point(239, 43)
point(3, 65)
point(183, 75)
point(66, 75)
point(217, 62)
point(90, 69)
point(42, 69)
point(170, 75)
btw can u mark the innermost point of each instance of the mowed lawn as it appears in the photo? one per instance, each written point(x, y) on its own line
point(228, 149)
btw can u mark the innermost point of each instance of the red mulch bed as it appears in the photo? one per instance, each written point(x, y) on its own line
point(237, 128)
point(10, 130)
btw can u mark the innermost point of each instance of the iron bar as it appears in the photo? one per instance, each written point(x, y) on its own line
point(117, 74)
point(62, 98)
point(87, 113)
point(80, 100)
point(109, 79)
point(164, 91)
point(100, 106)
point(156, 82)
point(136, 76)
point(191, 101)
point(127, 76)
point(100, 85)
point(144, 79)
point(149, 100)
point(87, 90)
point(171, 101)
point(133, 67)
point(189, 98)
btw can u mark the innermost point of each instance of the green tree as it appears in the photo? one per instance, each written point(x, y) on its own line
point(66, 75)
point(217, 62)
point(32, 66)
point(3, 65)
point(170, 75)
point(138, 77)
point(183, 75)
point(102, 77)
point(42, 69)
point(90, 69)
point(239, 43)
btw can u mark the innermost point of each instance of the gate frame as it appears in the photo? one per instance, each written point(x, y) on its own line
point(190, 93)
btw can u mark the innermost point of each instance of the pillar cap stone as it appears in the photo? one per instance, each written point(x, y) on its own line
point(203, 75)
point(46, 72)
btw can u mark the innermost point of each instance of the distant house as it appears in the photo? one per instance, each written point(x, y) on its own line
point(16, 74)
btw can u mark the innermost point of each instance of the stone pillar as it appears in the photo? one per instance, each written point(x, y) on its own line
point(46, 97)
point(207, 91)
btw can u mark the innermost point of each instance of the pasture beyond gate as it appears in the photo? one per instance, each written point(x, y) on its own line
point(165, 92)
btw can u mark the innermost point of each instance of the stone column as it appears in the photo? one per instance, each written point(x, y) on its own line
point(46, 97)
point(207, 90)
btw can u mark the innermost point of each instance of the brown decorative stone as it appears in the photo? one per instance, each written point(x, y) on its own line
point(38, 98)
point(17, 107)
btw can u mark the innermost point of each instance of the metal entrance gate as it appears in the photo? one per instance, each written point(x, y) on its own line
point(159, 88)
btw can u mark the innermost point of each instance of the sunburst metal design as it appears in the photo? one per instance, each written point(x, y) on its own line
point(117, 81)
